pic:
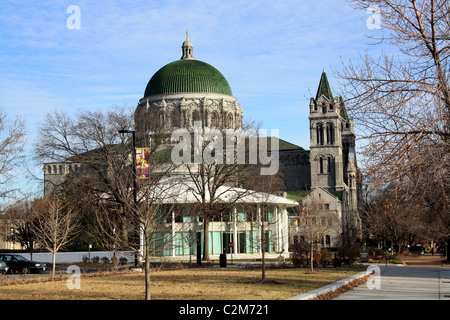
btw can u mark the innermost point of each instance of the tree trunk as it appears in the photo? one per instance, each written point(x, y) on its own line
point(312, 256)
point(53, 261)
point(147, 275)
point(263, 260)
point(205, 240)
point(447, 245)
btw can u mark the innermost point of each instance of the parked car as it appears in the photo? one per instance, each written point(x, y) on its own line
point(3, 267)
point(16, 262)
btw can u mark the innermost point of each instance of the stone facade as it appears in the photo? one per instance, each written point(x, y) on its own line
point(330, 164)
point(167, 112)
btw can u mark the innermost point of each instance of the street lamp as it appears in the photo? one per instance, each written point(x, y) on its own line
point(134, 159)
point(123, 131)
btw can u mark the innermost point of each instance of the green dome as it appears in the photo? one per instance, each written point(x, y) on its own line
point(187, 76)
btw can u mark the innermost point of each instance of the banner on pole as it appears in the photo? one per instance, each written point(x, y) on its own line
point(142, 167)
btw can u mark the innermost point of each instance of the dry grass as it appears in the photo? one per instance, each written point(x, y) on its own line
point(184, 284)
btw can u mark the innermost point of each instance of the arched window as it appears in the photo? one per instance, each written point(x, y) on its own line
point(330, 164)
point(320, 165)
point(195, 116)
point(214, 120)
point(319, 133)
point(230, 121)
point(330, 133)
point(176, 119)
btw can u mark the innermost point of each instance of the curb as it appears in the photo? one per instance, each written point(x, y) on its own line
point(331, 287)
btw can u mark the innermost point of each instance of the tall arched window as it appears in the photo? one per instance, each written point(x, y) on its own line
point(214, 120)
point(230, 121)
point(176, 119)
point(330, 133)
point(321, 165)
point(330, 164)
point(319, 133)
point(195, 116)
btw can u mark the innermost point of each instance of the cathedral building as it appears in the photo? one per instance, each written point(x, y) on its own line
point(189, 90)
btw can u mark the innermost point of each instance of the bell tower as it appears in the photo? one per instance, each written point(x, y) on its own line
point(326, 153)
point(332, 152)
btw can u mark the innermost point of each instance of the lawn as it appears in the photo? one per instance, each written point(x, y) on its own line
point(184, 284)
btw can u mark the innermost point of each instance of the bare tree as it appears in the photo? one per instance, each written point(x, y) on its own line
point(402, 102)
point(95, 156)
point(395, 216)
point(263, 188)
point(11, 149)
point(91, 143)
point(55, 223)
point(312, 224)
point(126, 208)
point(154, 217)
point(150, 212)
point(220, 157)
point(21, 216)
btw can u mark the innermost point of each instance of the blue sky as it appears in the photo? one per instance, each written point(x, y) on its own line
point(271, 52)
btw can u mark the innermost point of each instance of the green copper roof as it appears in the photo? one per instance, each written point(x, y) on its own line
point(283, 145)
point(343, 109)
point(187, 76)
point(324, 88)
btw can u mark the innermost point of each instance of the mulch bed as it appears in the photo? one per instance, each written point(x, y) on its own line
point(347, 287)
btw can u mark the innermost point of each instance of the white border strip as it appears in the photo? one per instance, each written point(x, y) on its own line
point(330, 288)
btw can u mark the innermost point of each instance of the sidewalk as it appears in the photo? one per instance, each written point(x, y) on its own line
point(426, 260)
point(421, 278)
